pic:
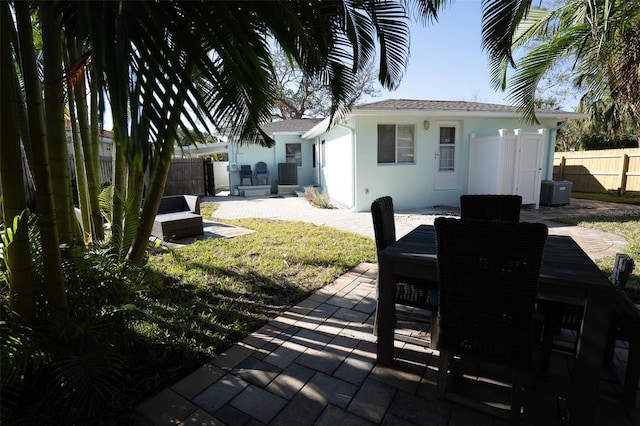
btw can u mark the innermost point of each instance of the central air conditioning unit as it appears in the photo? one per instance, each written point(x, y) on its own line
point(555, 193)
point(287, 174)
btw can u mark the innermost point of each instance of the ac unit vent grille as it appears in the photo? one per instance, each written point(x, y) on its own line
point(287, 173)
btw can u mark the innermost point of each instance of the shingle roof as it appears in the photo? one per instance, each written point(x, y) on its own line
point(430, 105)
point(297, 125)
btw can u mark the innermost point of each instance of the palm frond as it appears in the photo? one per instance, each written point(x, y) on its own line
point(500, 19)
point(523, 83)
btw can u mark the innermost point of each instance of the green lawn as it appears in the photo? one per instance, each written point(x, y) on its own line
point(609, 197)
point(628, 227)
point(217, 291)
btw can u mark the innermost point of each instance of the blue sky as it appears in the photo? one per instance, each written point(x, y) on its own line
point(447, 61)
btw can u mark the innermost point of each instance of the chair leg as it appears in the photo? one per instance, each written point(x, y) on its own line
point(549, 327)
point(633, 373)
point(443, 366)
point(434, 330)
point(516, 397)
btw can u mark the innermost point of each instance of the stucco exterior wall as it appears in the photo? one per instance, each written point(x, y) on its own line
point(410, 185)
point(252, 153)
point(305, 172)
point(336, 165)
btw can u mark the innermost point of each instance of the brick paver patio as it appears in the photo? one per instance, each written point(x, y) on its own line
point(316, 365)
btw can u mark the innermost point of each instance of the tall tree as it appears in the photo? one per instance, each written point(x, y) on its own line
point(18, 261)
point(46, 214)
point(298, 96)
point(155, 42)
point(150, 57)
point(54, 104)
point(602, 37)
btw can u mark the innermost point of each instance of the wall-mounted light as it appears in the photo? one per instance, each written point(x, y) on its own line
point(426, 124)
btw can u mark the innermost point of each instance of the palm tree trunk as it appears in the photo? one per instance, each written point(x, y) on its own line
point(54, 120)
point(52, 258)
point(155, 190)
point(151, 205)
point(11, 175)
point(119, 194)
point(78, 156)
point(90, 147)
point(25, 137)
point(135, 188)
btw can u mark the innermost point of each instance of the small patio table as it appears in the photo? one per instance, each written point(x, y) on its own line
point(567, 275)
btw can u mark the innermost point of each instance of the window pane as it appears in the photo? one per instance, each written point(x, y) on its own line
point(294, 153)
point(447, 135)
point(386, 143)
point(405, 144)
point(447, 158)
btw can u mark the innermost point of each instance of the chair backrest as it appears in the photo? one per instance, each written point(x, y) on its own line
point(245, 169)
point(490, 207)
point(261, 167)
point(384, 226)
point(488, 274)
point(622, 268)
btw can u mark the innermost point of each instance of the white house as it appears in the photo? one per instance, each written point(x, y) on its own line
point(289, 148)
point(426, 153)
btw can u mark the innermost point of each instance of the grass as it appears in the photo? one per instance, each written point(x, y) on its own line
point(628, 227)
point(217, 291)
point(610, 197)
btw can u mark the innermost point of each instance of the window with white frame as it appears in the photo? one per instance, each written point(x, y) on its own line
point(396, 143)
point(294, 153)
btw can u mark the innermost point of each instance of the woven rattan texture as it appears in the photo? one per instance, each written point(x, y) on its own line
point(491, 207)
point(408, 292)
point(488, 274)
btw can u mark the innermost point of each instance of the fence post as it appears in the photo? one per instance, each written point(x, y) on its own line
point(623, 173)
point(210, 185)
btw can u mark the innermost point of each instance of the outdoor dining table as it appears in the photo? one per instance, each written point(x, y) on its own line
point(567, 275)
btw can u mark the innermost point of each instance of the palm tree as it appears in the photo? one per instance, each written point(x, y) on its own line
point(14, 202)
point(43, 178)
point(162, 47)
point(149, 58)
point(601, 36)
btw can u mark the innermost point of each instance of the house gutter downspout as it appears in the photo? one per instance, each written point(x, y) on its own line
point(353, 161)
point(553, 133)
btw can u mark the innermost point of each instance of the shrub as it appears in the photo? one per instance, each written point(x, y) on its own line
point(318, 199)
point(65, 370)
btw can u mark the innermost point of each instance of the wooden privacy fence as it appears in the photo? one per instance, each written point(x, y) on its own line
point(599, 171)
point(190, 176)
point(186, 176)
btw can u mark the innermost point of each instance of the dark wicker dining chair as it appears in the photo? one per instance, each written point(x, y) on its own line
point(409, 291)
point(491, 207)
point(488, 274)
point(624, 324)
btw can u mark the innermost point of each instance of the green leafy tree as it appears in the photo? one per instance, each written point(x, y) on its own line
point(600, 37)
point(155, 61)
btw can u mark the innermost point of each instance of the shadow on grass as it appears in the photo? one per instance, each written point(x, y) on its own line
point(628, 227)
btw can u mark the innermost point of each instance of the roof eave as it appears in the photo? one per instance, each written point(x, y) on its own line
point(462, 113)
point(317, 130)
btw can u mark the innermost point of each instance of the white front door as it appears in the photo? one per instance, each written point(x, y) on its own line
point(446, 156)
